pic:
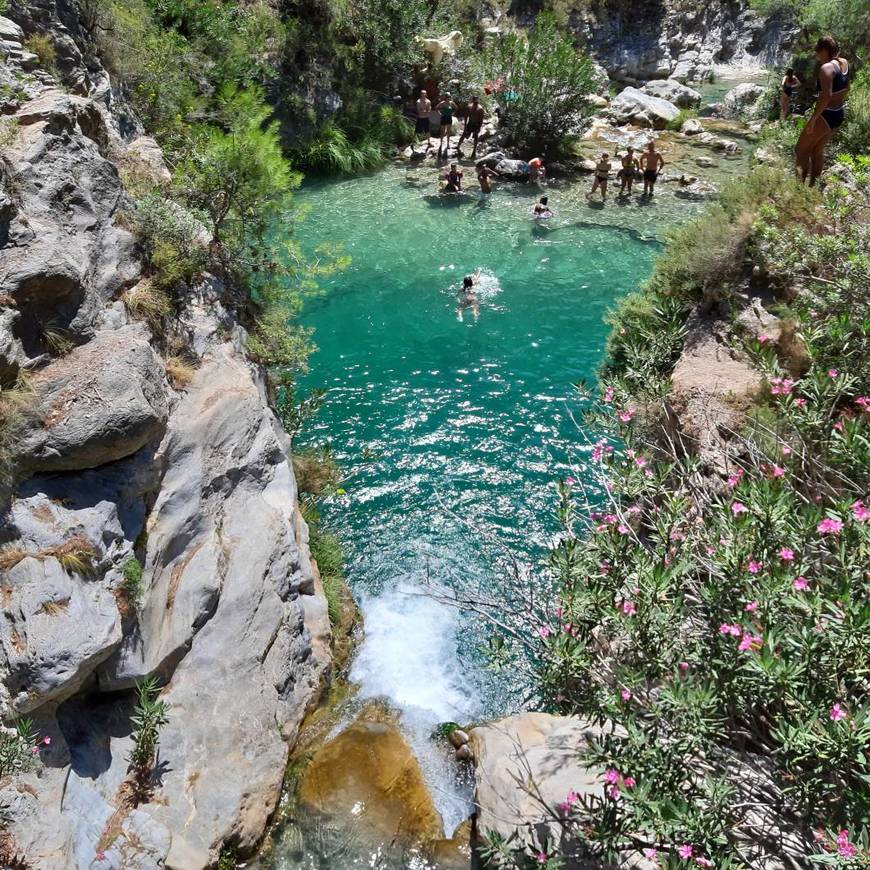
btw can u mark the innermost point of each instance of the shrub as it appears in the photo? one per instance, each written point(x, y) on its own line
point(542, 81)
point(42, 46)
point(131, 582)
point(683, 115)
point(149, 716)
point(854, 135)
point(317, 473)
point(19, 748)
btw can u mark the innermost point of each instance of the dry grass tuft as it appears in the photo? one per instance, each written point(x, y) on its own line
point(180, 372)
point(147, 302)
point(10, 557)
point(76, 555)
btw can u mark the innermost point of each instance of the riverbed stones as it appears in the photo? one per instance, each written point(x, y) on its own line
point(742, 101)
point(458, 738)
point(525, 767)
point(691, 127)
point(367, 775)
point(697, 191)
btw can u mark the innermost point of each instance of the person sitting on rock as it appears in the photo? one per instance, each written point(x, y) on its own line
point(790, 84)
point(473, 123)
point(602, 174)
point(453, 179)
point(651, 162)
point(628, 171)
point(829, 112)
point(537, 169)
point(424, 110)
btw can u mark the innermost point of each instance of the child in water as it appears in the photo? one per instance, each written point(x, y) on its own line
point(542, 209)
point(467, 296)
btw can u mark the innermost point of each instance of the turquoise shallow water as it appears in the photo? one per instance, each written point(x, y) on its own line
point(451, 430)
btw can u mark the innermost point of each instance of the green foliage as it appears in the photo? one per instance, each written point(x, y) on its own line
point(228, 859)
point(848, 20)
point(131, 581)
point(19, 749)
point(327, 551)
point(16, 404)
point(854, 136)
point(42, 46)
point(543, 81)
point(149, 716)
point(682, 116)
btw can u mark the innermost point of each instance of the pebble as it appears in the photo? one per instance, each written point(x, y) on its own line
point(458, 738)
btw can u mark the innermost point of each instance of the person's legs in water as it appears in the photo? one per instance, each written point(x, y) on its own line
point(603, 185)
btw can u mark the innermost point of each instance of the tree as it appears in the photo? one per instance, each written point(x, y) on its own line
point(543, 82)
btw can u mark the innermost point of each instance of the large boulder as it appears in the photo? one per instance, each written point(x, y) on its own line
point(743, 100)
point(525, 766)
point(632, 102)
point(99, 403)
point(367, 778)
point(675, 92)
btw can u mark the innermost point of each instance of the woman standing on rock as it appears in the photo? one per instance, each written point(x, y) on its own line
point(829, 111)
point(790, 83)
point(445, 108)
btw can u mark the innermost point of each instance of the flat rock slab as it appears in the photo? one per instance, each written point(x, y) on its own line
point(525, 767)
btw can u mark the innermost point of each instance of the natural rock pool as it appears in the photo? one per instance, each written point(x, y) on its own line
point(451, 430)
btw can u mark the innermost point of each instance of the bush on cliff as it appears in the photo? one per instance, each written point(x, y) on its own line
point(719, 630)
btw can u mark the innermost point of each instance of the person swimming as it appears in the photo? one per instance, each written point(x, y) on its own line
point(467, 296)
point(484, 174)
point(542, 209)
point(829, 113)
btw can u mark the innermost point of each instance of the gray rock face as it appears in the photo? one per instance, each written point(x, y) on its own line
point(691, 127)
point(12, 356)
point(674, 92)
point(632, 102)
point(64, 255)
point(100, 403)
point(742, 101)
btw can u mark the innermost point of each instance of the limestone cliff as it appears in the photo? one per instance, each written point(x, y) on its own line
point(108, 462)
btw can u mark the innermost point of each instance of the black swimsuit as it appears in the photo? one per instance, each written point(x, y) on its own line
point(835, 117)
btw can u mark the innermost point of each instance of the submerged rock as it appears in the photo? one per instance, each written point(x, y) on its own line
point(367, 777)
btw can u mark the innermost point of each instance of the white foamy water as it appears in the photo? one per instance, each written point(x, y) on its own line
point(409, 658)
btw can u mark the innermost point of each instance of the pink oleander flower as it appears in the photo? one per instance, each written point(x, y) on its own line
point(610, 518)
point(845, 849)
point(558, 611)
point(647, 472)
point(611, 775)
point(751, 607)
point(46, 740)
point(863, 402)
point(623, 529)
point(544, 630)
point(684, 666)
point(34, 750)
point(650, 853)
point(628, 608)
point(625, 694)
point(781, 386)
point(627, 415)
point(800, 403)
point(762, 338)
point(608, 395)
point(738, 508)
point(729, 628)
point(604, 567)
point(786, 554)
point(685, 852)
point(613, 791)
point(832, 373)
point(749, 642)
point(830, 526)
point(777, 471)
point(800, 584)
point(633, 509)
point(640, 462)
point(860, 512)
point(541, 857)
point(838, 425)
point(629, 782)
point(701, 861)
point(786, 450)
point(570, 481)
point(711, 551)
point(838, 712)
point(754, 567)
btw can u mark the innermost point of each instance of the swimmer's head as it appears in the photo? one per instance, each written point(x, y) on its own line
point(423, 94)
point(789, 72)
point(467, 282)
point(544, 200)
point(453, 166)
point(604, 156)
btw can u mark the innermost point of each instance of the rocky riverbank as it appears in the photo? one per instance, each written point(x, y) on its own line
point(140, 454)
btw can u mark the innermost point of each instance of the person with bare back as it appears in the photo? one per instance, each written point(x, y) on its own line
point(651, 162)
point(473, 124)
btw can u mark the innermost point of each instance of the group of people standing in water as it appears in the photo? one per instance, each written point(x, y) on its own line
point(647, 166)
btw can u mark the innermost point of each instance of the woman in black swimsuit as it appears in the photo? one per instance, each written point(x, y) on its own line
point(790, 84)
point(828, 113)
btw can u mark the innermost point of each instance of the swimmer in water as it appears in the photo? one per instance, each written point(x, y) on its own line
point(453, 179)
point(542, 209)
point(484, 174)
point(602, 174)
point(467, 296)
